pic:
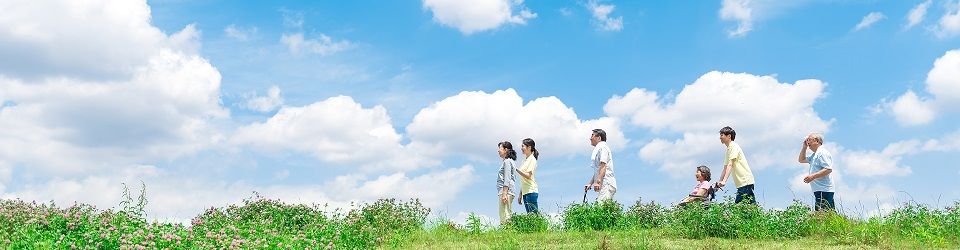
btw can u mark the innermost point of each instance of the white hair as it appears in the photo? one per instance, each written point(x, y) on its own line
point(817, 136)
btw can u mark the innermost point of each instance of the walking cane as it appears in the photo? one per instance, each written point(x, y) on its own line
point(585, 188)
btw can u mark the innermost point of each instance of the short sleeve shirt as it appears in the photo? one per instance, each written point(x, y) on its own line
point(820, 160)
point(742, 175)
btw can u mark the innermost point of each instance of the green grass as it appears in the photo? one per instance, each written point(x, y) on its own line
point(260, 223)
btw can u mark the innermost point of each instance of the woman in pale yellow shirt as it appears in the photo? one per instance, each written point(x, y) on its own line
point(528, 184)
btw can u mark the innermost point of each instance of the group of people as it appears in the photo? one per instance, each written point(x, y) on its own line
point(604, 183)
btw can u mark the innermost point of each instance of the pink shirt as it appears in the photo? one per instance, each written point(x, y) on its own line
point(705, 185)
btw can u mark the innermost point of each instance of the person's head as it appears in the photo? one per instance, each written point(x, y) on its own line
point(530, 147)
point(505, 149)
point(814, 141)
point(727, 135)
point(703, 173)
point(597, 136)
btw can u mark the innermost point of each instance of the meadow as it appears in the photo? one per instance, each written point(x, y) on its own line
point(262, 223)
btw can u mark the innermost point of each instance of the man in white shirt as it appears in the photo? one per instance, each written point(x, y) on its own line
point(603, 181)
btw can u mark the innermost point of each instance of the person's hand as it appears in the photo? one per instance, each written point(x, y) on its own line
point(805, 145)
point(503, 199)
point(721, 184)
point(808, 179)
point(596, 187)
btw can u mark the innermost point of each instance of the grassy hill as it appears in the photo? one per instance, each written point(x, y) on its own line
point(260, 223)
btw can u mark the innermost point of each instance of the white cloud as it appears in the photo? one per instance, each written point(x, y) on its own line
point(240, 33)
point(949, 143)
point(719, 99)
point(943, 83)
point(915, 16)
point(943, 80)
point(433, 189)
point(472, 122)
point(337, 130)
point(108, 39)
point(910, 110)
point(66, 126)
point(601, 16)
point(78, 118)
point(270, 102)
point(323, 45)
point(869, 20)
point(740, 11)
point(869, 163)
point(949, 24)
point(471, 16)
point(883, 163)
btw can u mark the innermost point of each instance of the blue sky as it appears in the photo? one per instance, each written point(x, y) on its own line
point(338, 102)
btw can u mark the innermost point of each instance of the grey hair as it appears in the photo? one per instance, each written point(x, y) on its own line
point(705, 172)
point(817, 136)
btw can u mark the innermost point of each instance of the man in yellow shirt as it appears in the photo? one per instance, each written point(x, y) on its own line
point(734, 161)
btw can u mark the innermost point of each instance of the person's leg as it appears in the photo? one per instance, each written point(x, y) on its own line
point(506, 209)
point(745, 194)
point(530, 203)
point(606, 193)
point(741, 194)
point(818, 201)
point(828, 200)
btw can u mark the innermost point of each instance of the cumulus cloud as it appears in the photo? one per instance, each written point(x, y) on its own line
point(943, 80)
point(887, 162)
point(472, 122)
point(739, 11)
point(163, 112)
point(949, 24)
point(869, 20)
point(123, 102)
point(108, 39)
point(719, 99)
point(910, 110)
point(337, 130)
point(882, 163)
point(943, 83)
point(471, 16)
point(323, 45)
point(601, 16)
point(916, 15)
point(267, 103)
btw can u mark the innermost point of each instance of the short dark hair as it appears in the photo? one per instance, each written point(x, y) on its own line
point(601, 133)
point(729, 131)
point(704, 171)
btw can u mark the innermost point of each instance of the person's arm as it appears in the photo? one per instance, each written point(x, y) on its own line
point(589, 184)
point(803, 153)
point(818, 174)
point(726, 173)
point(525, 175)
point(503, 195)
point(827, 161)
point(728, 159)
point(598, 182)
